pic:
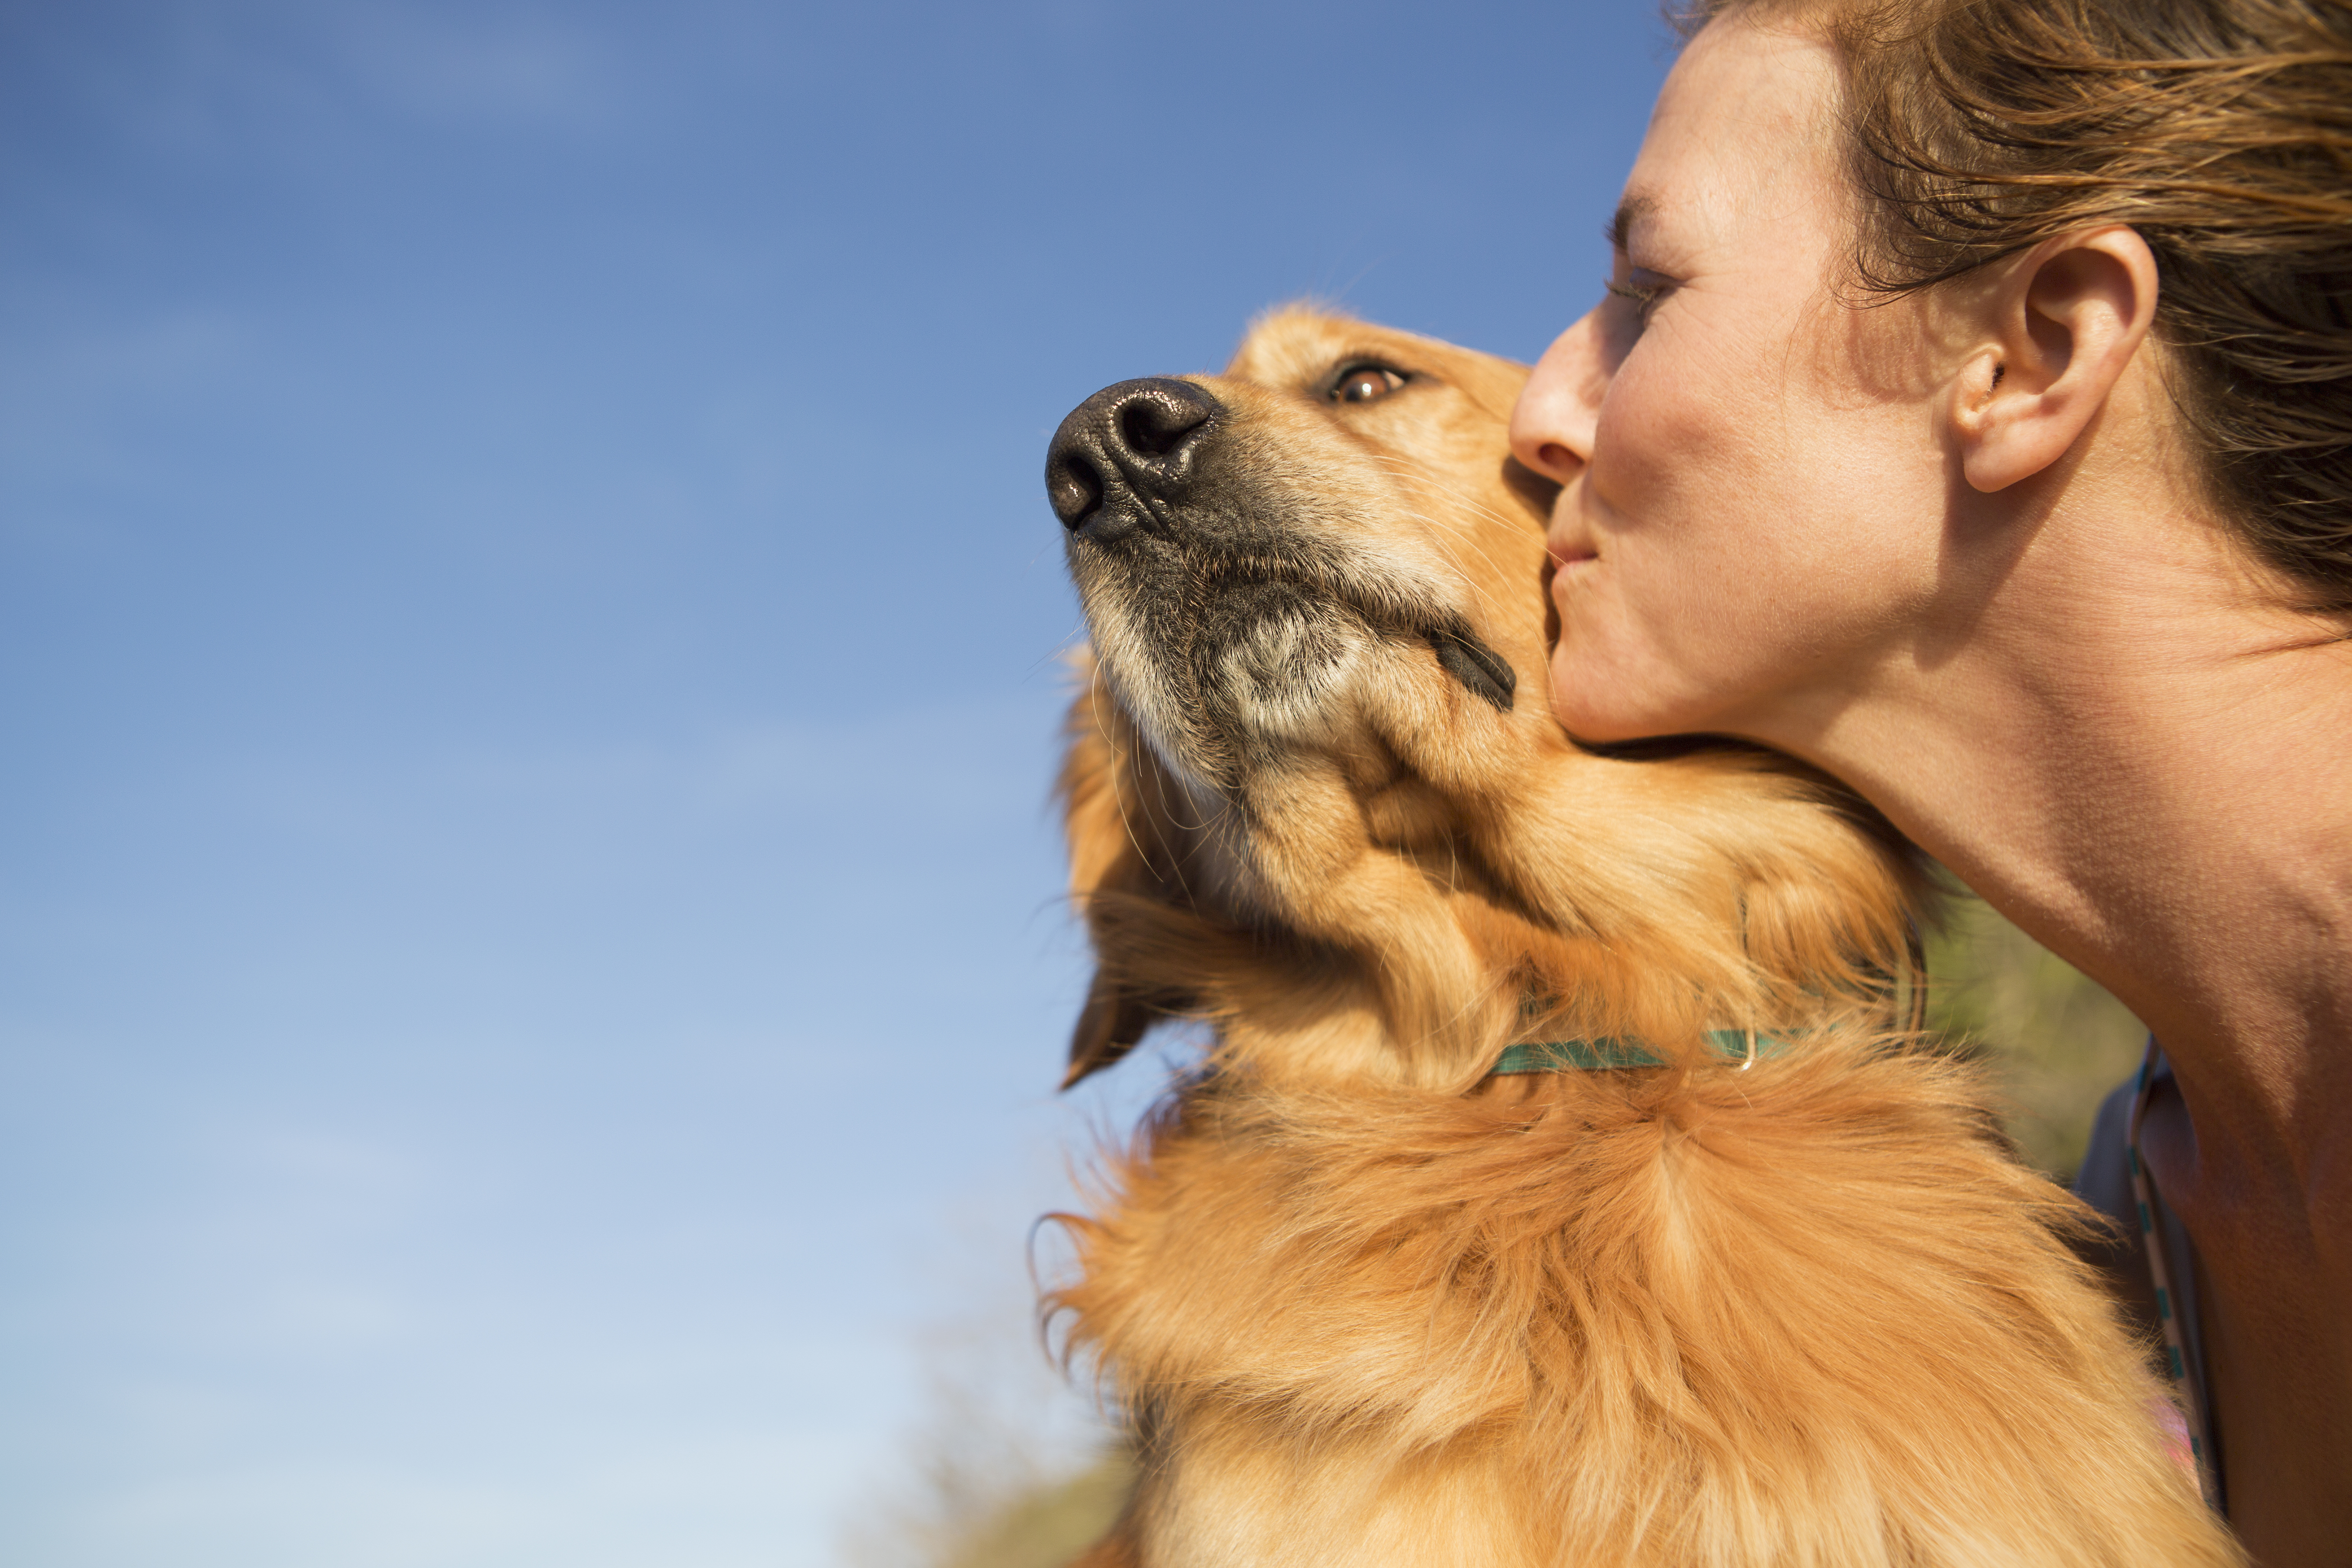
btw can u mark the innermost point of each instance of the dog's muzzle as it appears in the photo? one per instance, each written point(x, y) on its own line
point(1140, 458)
point(1125, 455)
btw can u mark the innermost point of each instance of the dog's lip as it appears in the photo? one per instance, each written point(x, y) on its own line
point(1392, 619)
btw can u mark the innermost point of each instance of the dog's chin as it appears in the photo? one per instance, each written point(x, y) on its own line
point(1275, 665)
point(1269, 670)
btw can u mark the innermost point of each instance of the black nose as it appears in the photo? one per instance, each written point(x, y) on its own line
point(1120, 449)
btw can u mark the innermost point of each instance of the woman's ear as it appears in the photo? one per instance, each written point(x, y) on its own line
point(2061, 324)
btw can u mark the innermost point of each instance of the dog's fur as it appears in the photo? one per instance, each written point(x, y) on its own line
point(1366, 1303)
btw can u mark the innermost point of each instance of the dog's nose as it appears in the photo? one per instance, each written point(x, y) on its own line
point(1125, 445)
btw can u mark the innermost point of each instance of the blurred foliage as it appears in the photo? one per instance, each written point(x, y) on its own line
point(1050, 1524)
point(2054, 1041)
point(1008, 1464)
point(988, 1515)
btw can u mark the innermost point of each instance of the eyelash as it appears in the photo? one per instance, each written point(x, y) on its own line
point(1643, 297)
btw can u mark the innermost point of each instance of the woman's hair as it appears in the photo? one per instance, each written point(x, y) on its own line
point(2219, 130)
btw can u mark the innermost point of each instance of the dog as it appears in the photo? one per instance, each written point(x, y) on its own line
point(1562, 1181)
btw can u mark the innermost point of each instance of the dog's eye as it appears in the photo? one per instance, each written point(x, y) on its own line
point(1364, 383)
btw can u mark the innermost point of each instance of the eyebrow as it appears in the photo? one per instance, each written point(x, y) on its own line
point(1631, 211)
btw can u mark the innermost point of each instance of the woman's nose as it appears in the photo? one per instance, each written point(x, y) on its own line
point(1552, 424)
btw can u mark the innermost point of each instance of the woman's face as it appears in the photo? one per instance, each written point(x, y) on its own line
point(1754, 477)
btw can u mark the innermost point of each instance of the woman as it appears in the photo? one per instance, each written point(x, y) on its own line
point(1970, 414)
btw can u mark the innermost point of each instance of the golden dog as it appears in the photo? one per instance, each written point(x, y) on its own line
point(1716, 1270)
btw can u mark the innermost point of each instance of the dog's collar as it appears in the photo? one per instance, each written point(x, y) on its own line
point(1603, 1055)
point(1596, 1055)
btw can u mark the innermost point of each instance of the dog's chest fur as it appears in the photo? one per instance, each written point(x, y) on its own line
point(1618, 1318)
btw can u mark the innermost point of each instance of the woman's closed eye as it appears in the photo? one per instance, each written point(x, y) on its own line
point(1643, 296)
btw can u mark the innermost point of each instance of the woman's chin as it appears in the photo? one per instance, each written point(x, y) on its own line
point(1603, 700)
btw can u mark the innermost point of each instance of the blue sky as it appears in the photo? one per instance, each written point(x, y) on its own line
point(530, 967)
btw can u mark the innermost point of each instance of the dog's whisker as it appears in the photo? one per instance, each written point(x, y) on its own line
point(1122, 770)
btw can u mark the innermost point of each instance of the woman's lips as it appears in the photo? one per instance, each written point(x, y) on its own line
point(1568, 565)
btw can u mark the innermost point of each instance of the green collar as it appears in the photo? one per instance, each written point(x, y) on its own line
point(1587, 1056)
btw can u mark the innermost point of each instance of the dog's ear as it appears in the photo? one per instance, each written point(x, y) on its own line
point(1110, 1025)
point(1105, 858)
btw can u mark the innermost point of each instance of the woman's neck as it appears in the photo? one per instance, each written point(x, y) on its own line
point(2147, 765)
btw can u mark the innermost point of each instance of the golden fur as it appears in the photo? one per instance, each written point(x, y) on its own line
point(1366, 1303)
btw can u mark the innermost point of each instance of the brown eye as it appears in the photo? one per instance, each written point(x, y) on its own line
point(1364, 383)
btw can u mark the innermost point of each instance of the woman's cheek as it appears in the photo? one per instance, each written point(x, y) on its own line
point(1686, 513)
point(1653, 519)
point(1663, 439)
